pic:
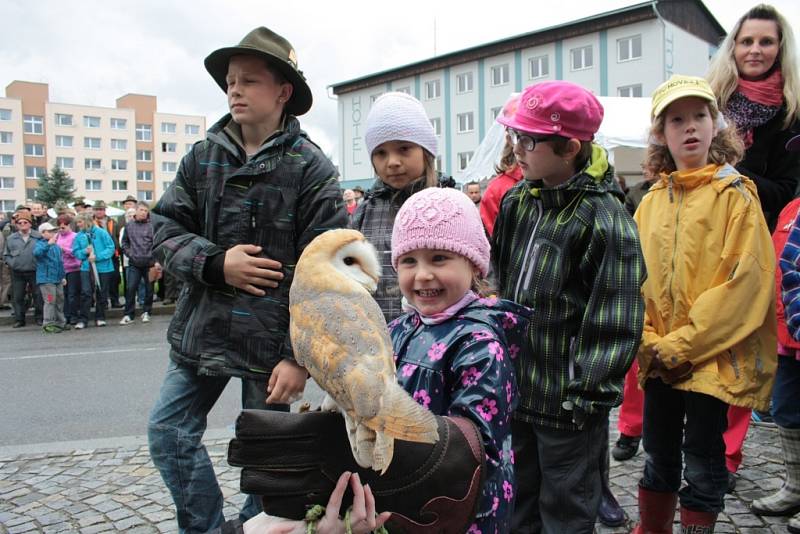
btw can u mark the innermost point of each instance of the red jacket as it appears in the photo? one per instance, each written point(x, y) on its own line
point(779, 238)
point(490, 203)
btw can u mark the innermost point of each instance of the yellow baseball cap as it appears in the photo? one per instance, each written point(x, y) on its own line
point(679, 86)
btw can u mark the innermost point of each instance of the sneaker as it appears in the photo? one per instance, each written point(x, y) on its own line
point(626, 447)
point(52, 329)
point(126, 320)
point(760, 418)
point(18, 324)
point(80, 326)
point(100, 323)
point(145, 317)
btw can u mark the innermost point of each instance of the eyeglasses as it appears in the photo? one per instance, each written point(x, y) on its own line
point(527, 142)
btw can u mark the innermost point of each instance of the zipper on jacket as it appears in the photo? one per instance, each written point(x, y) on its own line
point(526, 257)
point(734, 364)
point(675, 245)
point(571, 361)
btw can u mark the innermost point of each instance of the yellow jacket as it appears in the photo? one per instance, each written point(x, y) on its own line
point(710, 292)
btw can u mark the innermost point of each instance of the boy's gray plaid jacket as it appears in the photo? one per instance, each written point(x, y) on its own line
point(571, 254)
point(281, 198)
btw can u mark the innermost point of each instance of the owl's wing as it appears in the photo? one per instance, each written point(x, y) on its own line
point(343, 342)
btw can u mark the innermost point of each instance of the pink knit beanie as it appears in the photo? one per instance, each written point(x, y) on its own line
point(441, 219)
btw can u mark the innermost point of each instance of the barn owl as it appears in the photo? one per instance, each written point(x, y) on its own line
point(339, 334)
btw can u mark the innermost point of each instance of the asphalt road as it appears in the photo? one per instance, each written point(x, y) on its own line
point(90, 388)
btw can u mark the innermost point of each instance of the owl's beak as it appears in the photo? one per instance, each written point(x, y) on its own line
point(372, 285)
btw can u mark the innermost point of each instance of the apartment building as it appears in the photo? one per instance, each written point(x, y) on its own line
point(110, 153)
point(627, 52)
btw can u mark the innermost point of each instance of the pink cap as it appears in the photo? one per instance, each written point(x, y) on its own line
point(557, 108)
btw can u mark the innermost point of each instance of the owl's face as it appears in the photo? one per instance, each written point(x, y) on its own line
point(358, 261)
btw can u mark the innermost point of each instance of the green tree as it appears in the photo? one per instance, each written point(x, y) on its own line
point(55, 186)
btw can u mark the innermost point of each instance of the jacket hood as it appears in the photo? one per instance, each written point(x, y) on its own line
point(597, 177)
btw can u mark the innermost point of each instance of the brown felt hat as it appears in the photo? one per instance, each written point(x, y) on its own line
point(278, 52)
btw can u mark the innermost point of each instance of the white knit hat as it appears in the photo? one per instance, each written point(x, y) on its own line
point(399, 117)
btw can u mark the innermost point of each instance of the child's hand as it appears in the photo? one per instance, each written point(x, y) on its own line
point(244, 270)
point(675, 375)
point(64, 282)
point(92, 258)
point(52, 240)
point(287, 382)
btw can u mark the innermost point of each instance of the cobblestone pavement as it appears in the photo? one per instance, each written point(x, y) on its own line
point(119, 490)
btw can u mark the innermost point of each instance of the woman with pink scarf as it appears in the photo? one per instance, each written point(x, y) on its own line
point(72, 266)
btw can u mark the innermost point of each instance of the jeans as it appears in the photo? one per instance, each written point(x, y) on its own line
point(101, 295)
point(53, 298)
point(558, 476)
point(23, 283)
point(134, 276)
point(175, 431)
point(666, 435)
point(72, 296)
point(786, 393)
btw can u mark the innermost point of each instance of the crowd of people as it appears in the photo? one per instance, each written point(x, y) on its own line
point(528, 310)
point(68, 263)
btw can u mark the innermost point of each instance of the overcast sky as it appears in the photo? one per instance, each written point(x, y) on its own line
point(91, 52)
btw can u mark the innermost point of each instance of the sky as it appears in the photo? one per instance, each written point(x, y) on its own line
point(92, 52)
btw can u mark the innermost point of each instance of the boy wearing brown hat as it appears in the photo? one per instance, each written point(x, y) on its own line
point(245, 204)
point(18, 255)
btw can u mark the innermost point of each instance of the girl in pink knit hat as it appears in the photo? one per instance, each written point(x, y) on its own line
point(454, 345)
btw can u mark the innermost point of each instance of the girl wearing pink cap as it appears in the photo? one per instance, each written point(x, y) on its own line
point(455, 347)
point(565, 246)
point(709, 337)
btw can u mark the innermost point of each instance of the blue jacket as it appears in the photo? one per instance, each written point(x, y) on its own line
point(103, 249)
point(463, 367)
point(49, 265)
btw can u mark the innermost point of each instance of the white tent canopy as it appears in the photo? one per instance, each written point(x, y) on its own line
point(623, 133)
point(111, 211)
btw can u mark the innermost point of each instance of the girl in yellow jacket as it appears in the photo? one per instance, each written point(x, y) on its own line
point(709, 336)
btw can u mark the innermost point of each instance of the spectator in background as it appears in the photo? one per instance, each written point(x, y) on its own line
point(38, 213)
point(473, 191)
point(79, 205)
point(95, 248)
point(50, 279)
point(137, 245)
point(359, 193)
point(72, 268)
point(5, 272)
point(129, 203)
point(112, 227)
point(18, 255)
point(350, 202)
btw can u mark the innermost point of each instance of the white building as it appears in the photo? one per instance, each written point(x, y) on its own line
point(626, 52)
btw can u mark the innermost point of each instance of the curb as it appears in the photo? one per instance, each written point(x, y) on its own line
point(111, 313)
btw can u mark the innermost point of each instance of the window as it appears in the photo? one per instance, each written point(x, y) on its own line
point(31, 193)
point(91, 122)
point(64, 141)
point(65, 163)
point(629, 48)
point(63, 119)
point(463, 160)
point(119, 144)
point(144, 176)
point(168, 127)
point(7, 205)
point(192, 129)
point(33, 149)
point(119, 185)
point(119, 124)
point(93, 185)
point(433, 89)
point(437, 125)
point(6, 182)
point(6, 160)
point(581, 58)
point(630, 90)
point(538, 67)
point(144, 155)
point(406, 90)
point(169, 147)
point(373, 98)
point(92, 164)
point(144, 132)
point(495, 111)
point(33, 124)
point(169, 166)
point(5, 114)
point(464, 83)
point(119, 164)
point(147, 196)
point(91, 142)
point(438, 163)
point(6, 138)
point(466, 122)
point(166, 185)
point(34, 172)
point(500, 74)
